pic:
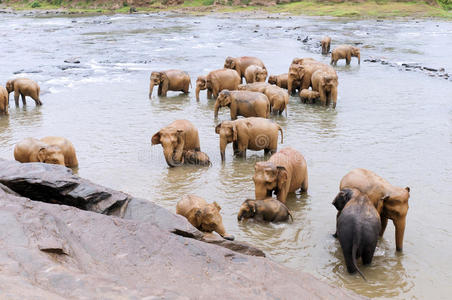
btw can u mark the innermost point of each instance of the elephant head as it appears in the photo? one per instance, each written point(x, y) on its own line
point(296, 73)
point(395, 207)
point(173, 142)
point(329, 83)
point(201, 84)
point(272, 79)
point(261, 75)
point(223, 99)
point(51, 155)
point(230, 63)
point(355, 52)
point(10, 86)
point(193, 157)
point(209, 219)
point(268, 178)
point(160, 79)
point(228, 134)
point(247, 209)
point(342, 198)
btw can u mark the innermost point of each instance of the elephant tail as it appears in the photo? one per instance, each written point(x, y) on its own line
point(282, 135)
point(354, 249)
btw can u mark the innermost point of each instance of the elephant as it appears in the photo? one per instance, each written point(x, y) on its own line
point(216, 81)
point(279, 80)
point(285, 172)
point(50, 150)
point(255, 74)
point(170, 80)
point(243, 103)
point(253, 87)
point(345, 52)
point(4, 101)
point(241, 63)
point(202, 215)
point(325, 82)
point(24, 87)
point(326, 42)
point(269, 210)
point(309, 96)
point(249, 133)
point(300, 75)
point(395, 199)
point(192, 157)
point(301, 61)
point(278, 98)
point(177, 137)
point(357, 227)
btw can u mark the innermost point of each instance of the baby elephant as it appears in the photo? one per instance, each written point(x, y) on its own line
point(50, 150)
point(255, 74)
point(279, 80)
point(4, 102)
point(308, 96)
point(23, 87)
point(202, 215)
point(345, 52)
point(358, 226)
point(326, 42)
point(192, 157)
point(269, 210)
point(170, 80)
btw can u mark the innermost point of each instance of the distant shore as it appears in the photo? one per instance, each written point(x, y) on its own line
point(367, 9)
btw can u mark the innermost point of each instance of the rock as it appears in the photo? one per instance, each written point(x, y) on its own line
point(430, 69)
point(305, 40)
point(53, 250)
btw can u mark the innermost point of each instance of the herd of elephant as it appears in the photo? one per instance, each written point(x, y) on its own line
point(365, 201)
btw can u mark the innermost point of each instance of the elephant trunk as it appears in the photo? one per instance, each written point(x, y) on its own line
point(151, 87)
point(223, 144)
point(221, 231)
point(170, 158)
point(289, 86)
point(399, 232)
point(217, 107)
point(198, 88)
point(240, 215)
point(359, 58)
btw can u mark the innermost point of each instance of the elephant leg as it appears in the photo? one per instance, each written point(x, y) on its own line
point(368, 254)
point(159, 90)
point(348, 59)
point(37, 100)
point(186, 87)
point(23, 99)
point(209, 94)
point(235, 148)
point(16, 97)
point(384, 223)
point(399, 232)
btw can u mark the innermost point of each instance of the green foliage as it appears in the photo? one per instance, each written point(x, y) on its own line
point(246, 2)
point(207, 2)
point(56, 2)
point(125, 4)
point(446, 4)
point(35, 4)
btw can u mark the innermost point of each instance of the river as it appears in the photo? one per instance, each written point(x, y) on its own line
point(396, 123)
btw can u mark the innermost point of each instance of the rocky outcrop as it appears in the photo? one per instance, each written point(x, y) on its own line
point(110, 245)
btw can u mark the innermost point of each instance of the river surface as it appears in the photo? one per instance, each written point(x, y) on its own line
point(396, 123)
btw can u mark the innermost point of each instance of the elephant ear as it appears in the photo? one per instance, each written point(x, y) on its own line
point(217, 128)
point(408, 189)
point(234, 132)
point(282, 177)
point(155, 139)
point(42, 154)
point(194, 217)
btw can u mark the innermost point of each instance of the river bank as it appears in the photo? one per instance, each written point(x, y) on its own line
point(366, 9)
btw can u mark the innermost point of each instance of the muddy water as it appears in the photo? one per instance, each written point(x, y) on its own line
point(398, 124)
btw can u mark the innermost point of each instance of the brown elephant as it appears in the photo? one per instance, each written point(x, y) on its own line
point(216, 81)
point(177, 137)
point(279, 99)
point(241, 63)
point(395, 199)
point(358, 225)
point(202, 215)
point(345, 52)
point(269, 210)
point(326, 42)
point(4, 101)
point(285, 172)
point(253, 87)
point(192, 157)
point(255, 74)
point(51, 150)
point(308, 96)
point(279, 80)
point(325, 82)
point(300, 75)
point(301, 61)
point(170, 80)
point(243, 103)
point(249, 133)
point(24, 87)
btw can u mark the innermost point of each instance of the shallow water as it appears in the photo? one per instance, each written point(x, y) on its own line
point(398, 124)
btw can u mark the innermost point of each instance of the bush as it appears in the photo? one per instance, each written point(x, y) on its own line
point(35, 4)
point(125, 4)
point(446, 4)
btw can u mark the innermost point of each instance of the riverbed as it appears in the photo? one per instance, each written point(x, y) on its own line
point(397, 123)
